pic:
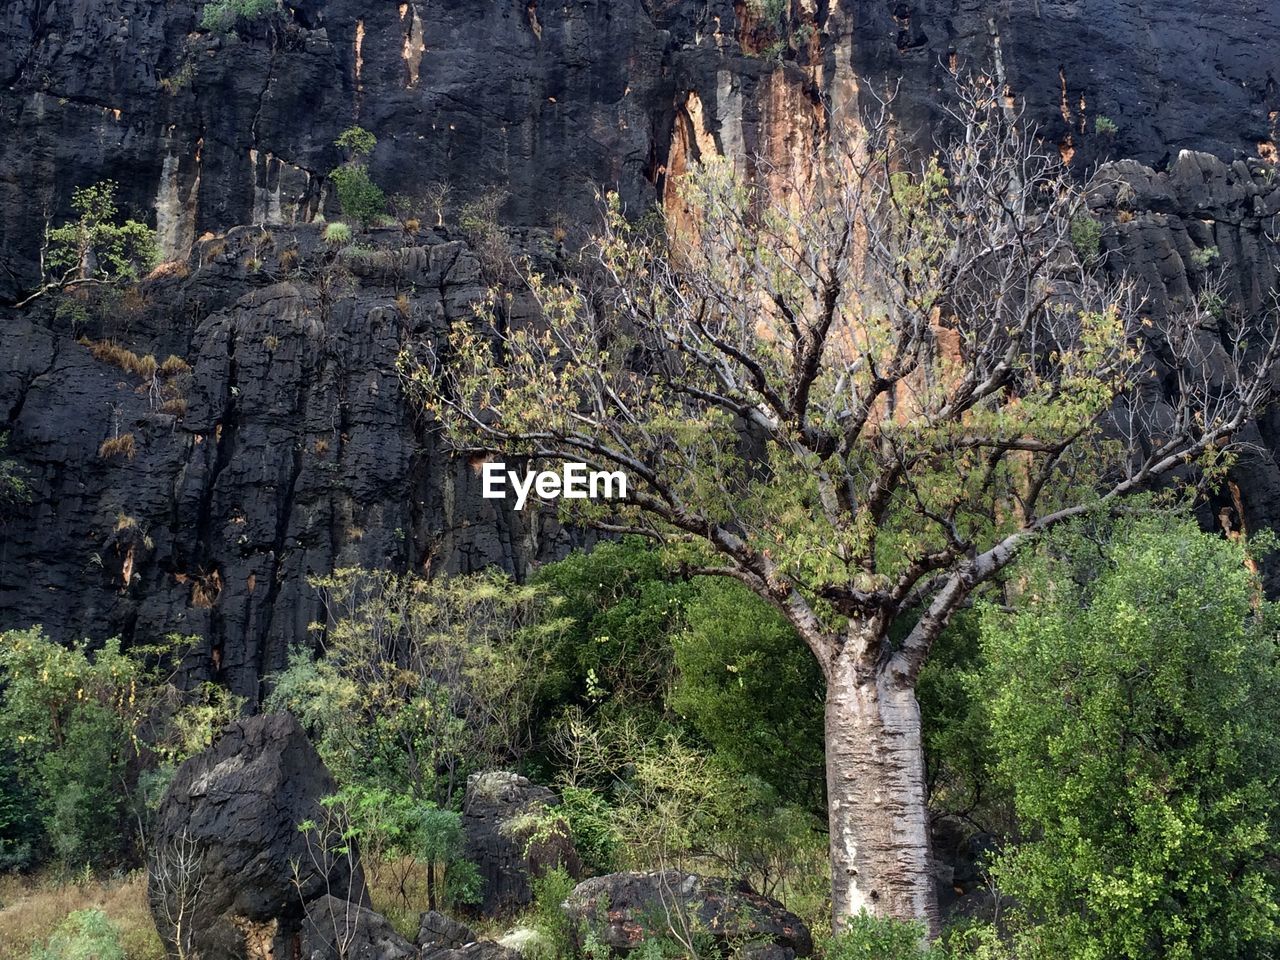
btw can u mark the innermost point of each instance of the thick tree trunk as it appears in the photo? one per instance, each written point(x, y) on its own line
point(880, 849)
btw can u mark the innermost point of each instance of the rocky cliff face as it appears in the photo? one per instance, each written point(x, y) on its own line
point(295, 452)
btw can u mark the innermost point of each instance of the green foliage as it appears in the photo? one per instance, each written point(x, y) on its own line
point(589, 818)
point(421, 682)
point(771, 10)
point(1203, 256)
point(84, 935)
point(957, 738)
point(556, 933)
point(94, 245)
point(358, 141)
point(866, 937)
point(1086, 236)
point(72, 778)
point(622, 608)
point(360, 198)
point(389, 826)
point(645, 642)
point(1104, 126)
point(751, 690)
point(221, 16)
point(1133, 699)
point(337, 234)
point(15, 484)
point(71, 719)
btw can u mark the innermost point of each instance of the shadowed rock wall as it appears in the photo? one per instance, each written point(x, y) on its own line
point(296, 453)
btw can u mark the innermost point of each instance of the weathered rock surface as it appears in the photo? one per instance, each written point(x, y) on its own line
point(625, 909)
point(337, 929)
point(496, 841)
point(442, 933)
point(297, 453)
point(233, 812)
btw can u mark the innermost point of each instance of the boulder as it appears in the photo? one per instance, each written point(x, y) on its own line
point(337, 929)
point(625, 909)
point(496, 839)
point(477, 950)
point(441, 932)
point(222, 877)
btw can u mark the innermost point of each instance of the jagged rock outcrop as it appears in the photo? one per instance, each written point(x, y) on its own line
point(437, 931)
point(222, 877)
point(336, 929)
point(296, 452)
point(623, 910)
point(495, 815)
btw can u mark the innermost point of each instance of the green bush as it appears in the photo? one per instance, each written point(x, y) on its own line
point(871, 938)
point(220, 16)
point(71, 720)
point(1104, 126)
point(84, 935)
point(95, 246)
point(555, 931)
point(359, 197)
point(752, 690)
point(337, 234)
point(1135, 705)
point(1086, 237)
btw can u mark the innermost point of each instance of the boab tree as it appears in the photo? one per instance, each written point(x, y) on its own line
point(861, 395)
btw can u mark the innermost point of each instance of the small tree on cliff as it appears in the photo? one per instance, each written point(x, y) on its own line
point(859, 395)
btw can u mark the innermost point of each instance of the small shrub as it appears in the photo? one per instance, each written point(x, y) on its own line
point(555, 930)
point(1204, 256)
point(359, 197)
point(357, 140)
point(123, 445)
point(1086, 237)
point(221, 15)
point(1104, 126)
point(337, 234)
point(95, 246)
point(84, 935)
point(404, 305)
point(15, 484)
point(771, 10)
point(871, 938)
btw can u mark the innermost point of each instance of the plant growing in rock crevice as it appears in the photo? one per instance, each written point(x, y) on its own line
point(360, 198)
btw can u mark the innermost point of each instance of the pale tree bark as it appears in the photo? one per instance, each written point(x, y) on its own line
point(881, 856)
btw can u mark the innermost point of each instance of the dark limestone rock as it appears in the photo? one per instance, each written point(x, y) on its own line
point(234, 810)
point(335, 929)
point(477, 950)
point(495, 841)
point(625, 909)
point(298, 453)
point(441, 932)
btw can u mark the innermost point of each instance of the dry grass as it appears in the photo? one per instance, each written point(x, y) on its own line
point(121, 446)
point(175, 407)
point(404, 305)
point(32, 908)
point(174, 365)
point(143, 367)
